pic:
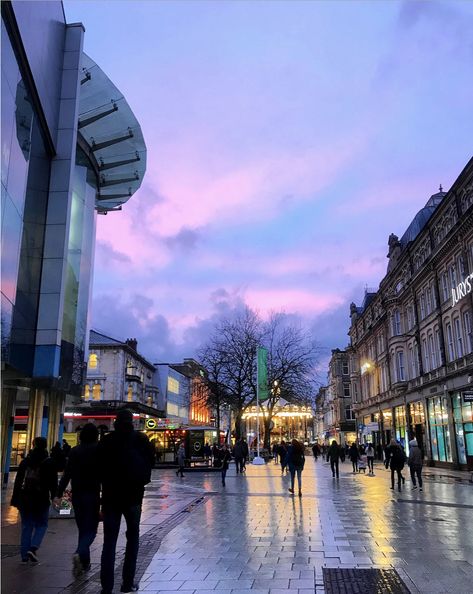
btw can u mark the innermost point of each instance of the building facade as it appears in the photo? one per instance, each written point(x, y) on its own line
point(71, 149)
point(411, 354)
point(174, 389)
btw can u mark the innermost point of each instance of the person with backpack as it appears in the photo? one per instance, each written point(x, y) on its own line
point(397, 459)
point(35, 486)
point(125, 459)
point(295, 462)
point(83, 472)
point(333, 456)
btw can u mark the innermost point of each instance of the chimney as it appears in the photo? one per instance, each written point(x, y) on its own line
point(132, 343)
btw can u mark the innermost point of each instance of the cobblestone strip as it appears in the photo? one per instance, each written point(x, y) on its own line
point(149, 545)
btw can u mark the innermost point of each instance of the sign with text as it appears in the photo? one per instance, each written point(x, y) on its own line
point(468, 396)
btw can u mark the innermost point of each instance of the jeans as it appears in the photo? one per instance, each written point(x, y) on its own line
point(398, 478)
point(355, 465)
point(180, 470)
point(34, 524)
point(293, 472)
point(112, 515)
point(416, 470)
point(86, 511)
point(370, 464)
point(334, 466)
point(224, 474)
point(240, 464)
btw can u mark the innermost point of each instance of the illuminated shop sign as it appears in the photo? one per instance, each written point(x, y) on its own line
point(463, 289)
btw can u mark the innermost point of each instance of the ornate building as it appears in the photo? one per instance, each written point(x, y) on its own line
point(412, 339)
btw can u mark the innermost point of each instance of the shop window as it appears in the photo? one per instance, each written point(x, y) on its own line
point(93, 361)
point(86, 392)
point(173, 385)
point(439, 431)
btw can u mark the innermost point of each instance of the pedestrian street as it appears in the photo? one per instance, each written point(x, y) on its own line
point(253, 536)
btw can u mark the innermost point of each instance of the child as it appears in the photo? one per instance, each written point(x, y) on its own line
point(363, 462)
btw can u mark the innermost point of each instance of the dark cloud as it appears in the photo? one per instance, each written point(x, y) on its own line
point(186, 240)
point(107, 253)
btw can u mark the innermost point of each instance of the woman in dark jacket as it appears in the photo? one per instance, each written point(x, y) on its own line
point(225, 457)
point(397, 459)
point(82, 471)
point(35, 486)
point(333, 456)
point(354, 455)
point(295, 462)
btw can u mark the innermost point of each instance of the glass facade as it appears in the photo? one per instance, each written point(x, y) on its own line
point(401, 427)
point(78, 275)
point(439, 430)
point(463, 421)
point(25, 181)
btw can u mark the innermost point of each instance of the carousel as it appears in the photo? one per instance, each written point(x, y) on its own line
point(289, 421)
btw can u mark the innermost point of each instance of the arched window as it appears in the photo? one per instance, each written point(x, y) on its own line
point(93, 361)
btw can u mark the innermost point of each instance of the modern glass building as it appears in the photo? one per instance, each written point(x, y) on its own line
point(71, 149)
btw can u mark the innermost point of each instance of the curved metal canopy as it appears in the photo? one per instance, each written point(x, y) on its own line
point(110, 134)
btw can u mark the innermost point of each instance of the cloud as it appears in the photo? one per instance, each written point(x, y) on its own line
point(106, 254)
point(185, 240)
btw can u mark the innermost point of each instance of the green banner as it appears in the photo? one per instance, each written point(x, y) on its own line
point(263, 392)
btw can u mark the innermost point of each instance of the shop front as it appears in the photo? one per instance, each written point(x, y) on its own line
point(417, 412)
point(387, 425)
point(462, 404)
point(401, 431)
point(440, 438)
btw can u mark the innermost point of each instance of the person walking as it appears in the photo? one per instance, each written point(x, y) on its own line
point(283, 455)
point(238, 454)
point(363, 460)
point(246, 454)
point(333, 456)
point(397, 459)
point(181, 459)
point(295, 462)
point(225, 457)
point(35, 485)
point(354, 457)
point(58, 457)
point(275, 449)
point(125, 458)
point(370, 458)
point(316, 451)
point(415, 463)
point(82, 471)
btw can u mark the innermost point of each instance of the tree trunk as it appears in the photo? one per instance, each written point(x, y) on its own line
point(238, 425)
point(267, 429)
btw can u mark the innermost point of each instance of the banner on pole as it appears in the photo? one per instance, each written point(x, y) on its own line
point(263, 392)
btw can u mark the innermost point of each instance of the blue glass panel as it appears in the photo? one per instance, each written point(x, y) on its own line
point(11, 235)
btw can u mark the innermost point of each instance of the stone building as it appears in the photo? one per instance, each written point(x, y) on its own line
point(412, 339)
point(117, 376)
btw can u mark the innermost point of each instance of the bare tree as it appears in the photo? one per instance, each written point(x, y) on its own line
point(229, 357)
point(292, 357)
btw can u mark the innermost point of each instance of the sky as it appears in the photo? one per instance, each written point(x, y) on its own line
point(285, 141)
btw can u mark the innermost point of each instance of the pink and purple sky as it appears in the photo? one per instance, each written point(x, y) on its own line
point(286, 140)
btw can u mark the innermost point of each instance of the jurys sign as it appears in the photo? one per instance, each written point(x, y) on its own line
point(462, 290)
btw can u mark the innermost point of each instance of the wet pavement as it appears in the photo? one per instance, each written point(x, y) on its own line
point(253, 536)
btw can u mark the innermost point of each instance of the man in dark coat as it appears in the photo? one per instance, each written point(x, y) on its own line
point(333, 456)
point(82, 471)
point(35, 486)
point(125, 459)
point(238, 454)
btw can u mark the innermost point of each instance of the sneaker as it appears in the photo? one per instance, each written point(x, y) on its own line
point(133, 588)
point(421, 489)
point(33, 557)
point(414, 487)
point(291, 490)
point(77, 569)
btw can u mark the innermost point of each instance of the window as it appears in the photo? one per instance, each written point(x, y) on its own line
point(459, 337)
point(453, 277)
point(96, 392)
point(410, 362)
point(432, 353)
point(468, 332)
point(446, 293)
point(93, 361)
point(86, 392)
point(396, 323)
point(422, 306)
point(346, 390)
point(355, 392)
point(345, 369)
point(410, 317)
point(173, 385)
point(349, 414)
point(426, 355)
point(416, 359)
point(438, 343)
point(129, 396)
point(461, 266)
point(428, 297)
point(451, 348)
point(400, 366)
